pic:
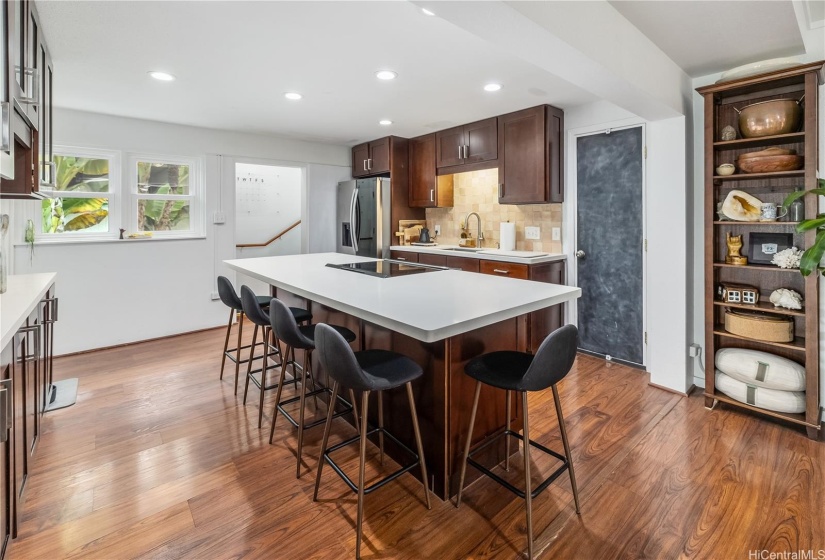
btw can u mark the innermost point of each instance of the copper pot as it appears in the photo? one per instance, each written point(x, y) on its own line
point(768, 118)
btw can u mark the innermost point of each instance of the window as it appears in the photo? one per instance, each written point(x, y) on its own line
point(165, 193)
point(84, 196)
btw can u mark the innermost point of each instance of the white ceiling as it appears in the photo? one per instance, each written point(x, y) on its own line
point(709, 36)
point(234, 60)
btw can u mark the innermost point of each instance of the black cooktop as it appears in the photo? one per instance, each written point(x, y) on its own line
point(387, 268)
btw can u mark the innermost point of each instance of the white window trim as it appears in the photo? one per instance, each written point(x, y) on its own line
point(195, 196)
point(114, 196)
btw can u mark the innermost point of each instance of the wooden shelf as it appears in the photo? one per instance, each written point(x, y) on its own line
point(797, 344)
point(765, 306)
point(753, 224)
point(768, 267)
point(753, 176)
point(756, 142)
point(790, 417)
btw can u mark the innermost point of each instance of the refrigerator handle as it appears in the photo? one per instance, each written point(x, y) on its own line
point(352, 218)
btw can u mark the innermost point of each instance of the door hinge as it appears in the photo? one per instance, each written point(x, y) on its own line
point(645, 337)
point(645, 244)
point(644, 152)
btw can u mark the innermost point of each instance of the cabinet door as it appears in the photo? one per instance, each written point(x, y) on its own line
point(6, 78)
point(522, 163)
point(18, 25)
point(435, 260)
point(20, 453)
point(360, 155)
point(449, 147)
point(481, 139)
point(6, 456)
point(379, 158)
point(32, 73)
point(32, 361)
point(46, 169)
point(422, 171)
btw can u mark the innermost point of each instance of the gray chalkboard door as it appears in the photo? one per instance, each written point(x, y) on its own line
point(610, 267)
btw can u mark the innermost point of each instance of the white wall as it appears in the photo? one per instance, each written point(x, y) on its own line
point(117, 292)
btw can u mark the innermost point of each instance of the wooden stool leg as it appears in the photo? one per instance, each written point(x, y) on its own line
point(266, 333)
point(418, 443)
point(249, 363)
point(361, 474)
point(508, 412)
point(301, 412)
point(567, 453)
point(467, 444)
point(226, 342)
point(278, 394)
point(324, 441)
point(381, 424)
point(238, 351)
point(355, 410)
point(528, 497)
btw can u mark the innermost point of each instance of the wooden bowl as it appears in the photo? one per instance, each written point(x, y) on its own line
point(770, 164)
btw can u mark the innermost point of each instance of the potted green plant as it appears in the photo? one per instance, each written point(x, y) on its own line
point(812, 256)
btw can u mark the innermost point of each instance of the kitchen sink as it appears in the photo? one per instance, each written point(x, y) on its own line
point(462, 249)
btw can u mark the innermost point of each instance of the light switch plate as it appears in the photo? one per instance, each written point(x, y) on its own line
point(532, 232)
point(556, 234)
point(219, 218)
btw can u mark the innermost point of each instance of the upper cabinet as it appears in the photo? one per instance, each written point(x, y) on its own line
point(26, 156)
point(468, 144)
point(530, 144)
point(371, 158)
point(427, 190)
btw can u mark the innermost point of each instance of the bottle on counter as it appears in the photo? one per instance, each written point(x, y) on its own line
point(796, 211)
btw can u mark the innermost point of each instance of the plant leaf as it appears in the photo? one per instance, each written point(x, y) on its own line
point(87, 220)
point(812, 255)
point(799, 194)
point(81, 205)
point(813, 223)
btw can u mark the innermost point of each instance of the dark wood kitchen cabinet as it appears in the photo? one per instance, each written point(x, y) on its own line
point(469, 144)
point(371, 158)
point(530, 156)
point(426, 189)
point(6, 449)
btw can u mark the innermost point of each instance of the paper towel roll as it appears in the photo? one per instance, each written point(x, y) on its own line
point(508, 236)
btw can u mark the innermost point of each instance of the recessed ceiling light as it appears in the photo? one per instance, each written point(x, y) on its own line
point(427, 12)
point(162, 76)
point(385, 75)
point(292, 95)
point(385, 122)
point(492, 87)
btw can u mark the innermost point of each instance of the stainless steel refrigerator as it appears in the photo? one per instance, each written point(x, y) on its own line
point(364, 218)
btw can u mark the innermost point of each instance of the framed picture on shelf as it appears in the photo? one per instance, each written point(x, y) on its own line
point(763, 246)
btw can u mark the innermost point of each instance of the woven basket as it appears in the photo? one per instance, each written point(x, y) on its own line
point(759, 326)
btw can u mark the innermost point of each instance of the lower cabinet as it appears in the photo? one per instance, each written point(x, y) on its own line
point(404, 256)
point(7, 487)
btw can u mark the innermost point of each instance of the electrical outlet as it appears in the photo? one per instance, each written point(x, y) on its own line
point(532, 232)
point(437, 229)
point(219, 218)
point(556, 234)
point(216, 296)
point(694, 350)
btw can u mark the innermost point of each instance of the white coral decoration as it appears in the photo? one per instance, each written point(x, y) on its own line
point(786, 298)
point(789, 258)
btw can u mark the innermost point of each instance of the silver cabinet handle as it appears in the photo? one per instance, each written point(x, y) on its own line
point(53, 305)
point(580, 254)
point(369, 164)
point(459, 151)
point(5, 142)
point(24, 331)
point(500, 271)
point(501, 190)
point(365, 165)
point(53, 183)
point(432, 195)
point(465, 151)
point(4, 414)
point(401, 258)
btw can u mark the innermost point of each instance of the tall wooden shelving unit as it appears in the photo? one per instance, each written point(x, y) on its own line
point(720, 100)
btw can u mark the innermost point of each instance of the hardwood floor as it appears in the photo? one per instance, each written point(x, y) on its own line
point(159, 459)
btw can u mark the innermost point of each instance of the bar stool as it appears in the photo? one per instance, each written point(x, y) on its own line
point(286, 329)
point(233, 302)
point(367, 371)
point(522, 372)
point(260, 319)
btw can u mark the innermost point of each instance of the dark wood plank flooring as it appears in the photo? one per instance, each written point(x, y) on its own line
point(159, 459)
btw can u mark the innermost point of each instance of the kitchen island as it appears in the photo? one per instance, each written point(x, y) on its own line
point(441, 318)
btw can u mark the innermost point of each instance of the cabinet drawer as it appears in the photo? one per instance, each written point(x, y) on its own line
point(465, 264)
point(408, 256)
point(435, 260)
point(511, 270)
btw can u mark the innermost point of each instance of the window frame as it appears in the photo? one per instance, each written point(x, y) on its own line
point(113, 196)
point(195, 196)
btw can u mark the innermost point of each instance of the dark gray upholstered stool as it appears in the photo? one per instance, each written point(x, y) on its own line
point(233, 302)
point(260, 318)
point(522, 372)
point(367, 371)
point(286, 329)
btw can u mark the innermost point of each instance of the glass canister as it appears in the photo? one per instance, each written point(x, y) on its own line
point(796, 211)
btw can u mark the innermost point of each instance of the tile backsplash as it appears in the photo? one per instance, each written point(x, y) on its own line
point(477, 191)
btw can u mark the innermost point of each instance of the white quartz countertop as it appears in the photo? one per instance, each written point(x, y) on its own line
point(23, 294)
point(429, 307)
point(520, 257)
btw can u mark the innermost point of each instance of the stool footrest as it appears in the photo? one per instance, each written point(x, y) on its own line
point(518, 492)
point(291, 420)
point(230, 353)
point(257, 383)
point(383, 481)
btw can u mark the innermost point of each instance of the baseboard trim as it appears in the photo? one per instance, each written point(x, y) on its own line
point(674, 391)
point(81, 352)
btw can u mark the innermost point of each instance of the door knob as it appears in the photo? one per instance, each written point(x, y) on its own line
point(579, 254)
